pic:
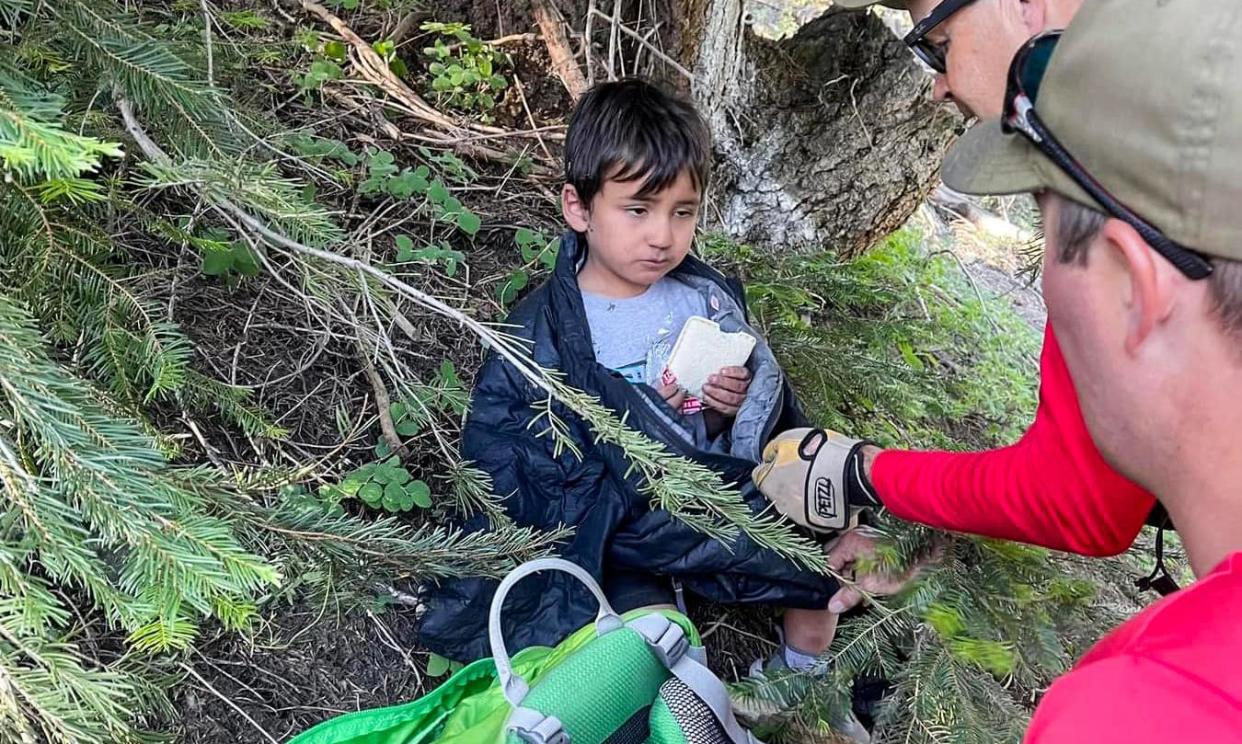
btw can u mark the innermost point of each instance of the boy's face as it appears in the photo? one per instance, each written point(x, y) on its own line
point(634, 241)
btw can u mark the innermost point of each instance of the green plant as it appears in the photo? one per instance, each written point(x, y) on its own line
point(438, 254)
point(222, 256)
point(320, 72)
point(438, 666)
point(326, 64)
point(387, 50)
point(384, 176)
point(465, 71)
point(538, 253)
point(453, 167)
point(421, 403)
point(387, 485)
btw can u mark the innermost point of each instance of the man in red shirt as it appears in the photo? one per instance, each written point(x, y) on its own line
point(1127, 130)
point(1129, 134)
point(1052, 487)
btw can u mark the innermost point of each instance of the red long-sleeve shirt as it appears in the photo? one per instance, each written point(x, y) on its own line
point(1170, 674)
point(1051, 488)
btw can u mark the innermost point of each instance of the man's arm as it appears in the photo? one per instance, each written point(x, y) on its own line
point(1052, 488)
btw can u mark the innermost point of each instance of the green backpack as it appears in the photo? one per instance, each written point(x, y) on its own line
point(637, 679)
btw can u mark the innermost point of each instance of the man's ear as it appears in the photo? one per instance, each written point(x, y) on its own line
point(1035, 15)
point(577, 213)
point(1147, 290)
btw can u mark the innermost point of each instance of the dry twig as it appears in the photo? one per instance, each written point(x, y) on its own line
point(655, 51)
point(383, 402)
point(372, 67)
point(563, 63)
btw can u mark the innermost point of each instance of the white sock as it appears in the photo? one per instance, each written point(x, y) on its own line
point(798, 660)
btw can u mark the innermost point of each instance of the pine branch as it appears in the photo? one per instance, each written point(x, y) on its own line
point(48, 687)
point(104, 478)
point(392, 548)
point(33, 145)
point(140, 64)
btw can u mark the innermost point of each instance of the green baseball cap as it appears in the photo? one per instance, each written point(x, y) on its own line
point(1145, 95)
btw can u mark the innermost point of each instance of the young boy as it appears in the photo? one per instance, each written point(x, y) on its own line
point(637, 163)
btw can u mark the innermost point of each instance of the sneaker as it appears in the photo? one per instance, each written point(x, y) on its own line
point(758, 712)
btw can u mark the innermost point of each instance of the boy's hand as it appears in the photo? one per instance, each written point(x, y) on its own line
point(672, 394)
point(726, 390)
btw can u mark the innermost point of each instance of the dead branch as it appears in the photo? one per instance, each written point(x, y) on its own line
point(512, 39)
point(551, 25)
point(383, 401)
point(373, 69)
point(502, 40)
point(645, 43)
point(990, 224)
point(404, 25)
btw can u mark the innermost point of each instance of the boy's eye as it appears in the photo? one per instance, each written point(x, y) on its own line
point(639, 211)
point(685, 213)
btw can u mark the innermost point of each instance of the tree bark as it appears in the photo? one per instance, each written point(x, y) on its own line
point(826, 139)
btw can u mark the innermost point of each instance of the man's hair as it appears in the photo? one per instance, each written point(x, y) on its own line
point(1077, 225)
point(629, 130)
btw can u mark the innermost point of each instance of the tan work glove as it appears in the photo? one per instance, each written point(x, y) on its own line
point(815, 478)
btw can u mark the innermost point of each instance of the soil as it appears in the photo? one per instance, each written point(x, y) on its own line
point(302, 668)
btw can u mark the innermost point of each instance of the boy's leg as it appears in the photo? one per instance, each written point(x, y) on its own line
point(808, 633)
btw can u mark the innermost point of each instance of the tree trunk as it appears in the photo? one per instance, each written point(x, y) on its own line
point(827, 138)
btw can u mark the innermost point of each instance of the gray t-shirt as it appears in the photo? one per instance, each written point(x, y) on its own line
point(635, 336)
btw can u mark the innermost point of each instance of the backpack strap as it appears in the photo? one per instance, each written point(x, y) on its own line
point(512, 685)
point(687, 663)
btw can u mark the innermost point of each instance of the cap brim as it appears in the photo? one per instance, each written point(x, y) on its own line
point(987, 162)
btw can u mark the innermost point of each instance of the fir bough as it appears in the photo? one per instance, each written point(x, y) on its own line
point(104, 542)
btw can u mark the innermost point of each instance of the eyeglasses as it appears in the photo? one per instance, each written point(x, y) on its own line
point(1026, 72)
point(933, 54)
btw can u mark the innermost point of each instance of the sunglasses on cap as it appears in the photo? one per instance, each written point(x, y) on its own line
point(933, 55)
point(1026, 72)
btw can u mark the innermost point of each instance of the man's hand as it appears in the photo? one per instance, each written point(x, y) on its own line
point(860, 544)
point(726, 390)
point(815, 478)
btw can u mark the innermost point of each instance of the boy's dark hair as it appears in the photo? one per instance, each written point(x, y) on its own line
point(631, 129)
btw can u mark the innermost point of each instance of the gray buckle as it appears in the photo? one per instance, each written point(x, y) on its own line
point(671, 645)
point(533, 727)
